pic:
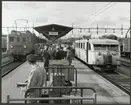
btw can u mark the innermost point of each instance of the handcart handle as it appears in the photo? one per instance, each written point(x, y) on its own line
point(21, 84)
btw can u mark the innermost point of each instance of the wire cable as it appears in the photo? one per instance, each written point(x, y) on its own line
point(103, 11)
point(98, 11)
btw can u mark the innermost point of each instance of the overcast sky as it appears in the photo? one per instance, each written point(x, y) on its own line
point(80, 14)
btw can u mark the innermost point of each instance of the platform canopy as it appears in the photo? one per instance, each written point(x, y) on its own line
point(53, 31)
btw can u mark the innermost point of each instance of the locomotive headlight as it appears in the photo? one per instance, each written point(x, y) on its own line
point(11, 46)
point(24, 46)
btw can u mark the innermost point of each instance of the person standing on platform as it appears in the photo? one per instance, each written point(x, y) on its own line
point(46, 58)
point(69, 56)
point(62, 53)
point(65, 51)
point(36, 78)
point(57, 54)
point(73, 52)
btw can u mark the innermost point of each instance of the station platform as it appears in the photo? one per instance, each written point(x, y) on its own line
point(107, 93)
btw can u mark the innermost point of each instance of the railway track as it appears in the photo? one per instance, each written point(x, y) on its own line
point(7, 68)
point(118, 79)
point(4, 55)
point(125, 62)
point(125, 57)
point(7, 63)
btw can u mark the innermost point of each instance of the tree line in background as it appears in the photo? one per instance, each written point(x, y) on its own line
point(71, 40)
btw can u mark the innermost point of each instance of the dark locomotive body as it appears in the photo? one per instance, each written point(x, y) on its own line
point(20, 44)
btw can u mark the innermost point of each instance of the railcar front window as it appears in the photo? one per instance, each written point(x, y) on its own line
point(99, 47)
point(106, 47)
point(112, 47)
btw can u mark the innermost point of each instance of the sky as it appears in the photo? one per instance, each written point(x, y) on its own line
point(78, 14)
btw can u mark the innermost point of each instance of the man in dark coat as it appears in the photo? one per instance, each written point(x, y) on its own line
point(57, 54)
point(46, 58)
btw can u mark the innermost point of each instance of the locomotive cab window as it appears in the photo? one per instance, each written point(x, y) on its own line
point(11, 39)
point(18, 39)
point(24, 39)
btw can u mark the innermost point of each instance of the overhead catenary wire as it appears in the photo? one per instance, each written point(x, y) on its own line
point(96, 14)
point(99, 10)
point(102, 11)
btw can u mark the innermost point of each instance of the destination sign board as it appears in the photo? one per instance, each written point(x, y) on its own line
point(53, 33)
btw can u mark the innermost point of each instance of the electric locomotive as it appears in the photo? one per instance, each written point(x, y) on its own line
point(20, 43)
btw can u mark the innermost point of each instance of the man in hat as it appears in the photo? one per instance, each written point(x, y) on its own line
point(36, 78)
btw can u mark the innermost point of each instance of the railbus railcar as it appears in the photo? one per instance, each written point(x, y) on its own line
point(104, 53)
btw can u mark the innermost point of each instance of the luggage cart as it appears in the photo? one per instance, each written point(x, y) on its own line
point(61, 69)
point(62, 73)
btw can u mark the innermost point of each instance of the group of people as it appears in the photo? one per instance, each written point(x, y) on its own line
point(37, 75)
point(58, 53)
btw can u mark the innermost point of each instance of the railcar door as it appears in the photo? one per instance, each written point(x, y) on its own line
point(87, 48)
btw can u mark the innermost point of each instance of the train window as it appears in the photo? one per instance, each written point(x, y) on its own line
point(24, 39)
point(11, 39)
point(81, 45)
point(99, 47)
point(88, 46)
point(18, 39)
point(29, 39)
